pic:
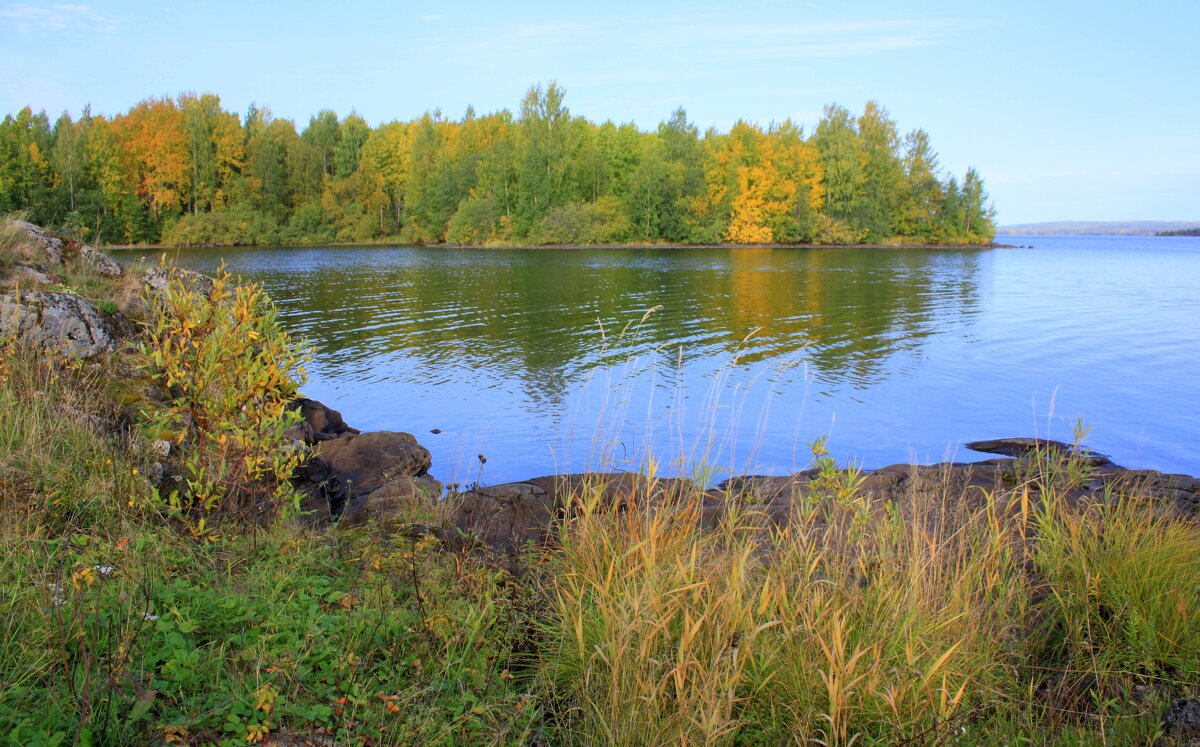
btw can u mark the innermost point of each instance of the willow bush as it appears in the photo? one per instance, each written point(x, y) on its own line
point(231, 372)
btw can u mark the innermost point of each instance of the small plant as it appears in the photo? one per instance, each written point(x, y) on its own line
point(230, 371)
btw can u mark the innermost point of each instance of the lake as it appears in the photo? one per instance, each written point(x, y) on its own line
point(714, 361)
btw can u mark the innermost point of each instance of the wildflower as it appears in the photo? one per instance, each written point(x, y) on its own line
point(148, 616)
point(103, 570)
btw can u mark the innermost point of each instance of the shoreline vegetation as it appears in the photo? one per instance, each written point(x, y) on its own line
point(195, 554)
point(385, 243)
point(184, 171)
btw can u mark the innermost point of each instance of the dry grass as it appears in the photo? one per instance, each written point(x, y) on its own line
point(859, 621)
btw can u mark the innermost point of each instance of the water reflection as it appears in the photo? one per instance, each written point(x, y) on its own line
point(546, 316)
point(514, 341)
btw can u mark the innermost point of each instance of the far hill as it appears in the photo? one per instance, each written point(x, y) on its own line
point(1099, 228)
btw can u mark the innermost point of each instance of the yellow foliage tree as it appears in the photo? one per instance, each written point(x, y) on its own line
point(154, 150)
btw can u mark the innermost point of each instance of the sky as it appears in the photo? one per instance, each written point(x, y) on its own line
point(1071, 110)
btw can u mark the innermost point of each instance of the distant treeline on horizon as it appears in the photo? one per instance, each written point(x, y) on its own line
point(185, 171)
point(1103, 228)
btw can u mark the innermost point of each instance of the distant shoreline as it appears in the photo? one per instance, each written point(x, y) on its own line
point(1096, 228)
point(156, 247)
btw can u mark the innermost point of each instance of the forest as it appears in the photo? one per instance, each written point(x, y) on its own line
point(185, 171)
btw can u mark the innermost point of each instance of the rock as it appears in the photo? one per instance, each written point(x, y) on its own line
point(391, 500)
point(324, 495)
point(96, 423)
point(37, 244)
point(100, 262)
point(157, 279)
point(505, 518)
point(367, 476)
point(1019, 447)
point(612, 490)
point(319, 423)
point(766, 489)
point(1181, 724)
point(369, 461)
point(61, 322)
point(26, 274)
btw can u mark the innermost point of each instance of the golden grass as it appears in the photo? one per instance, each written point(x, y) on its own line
point(856, 621)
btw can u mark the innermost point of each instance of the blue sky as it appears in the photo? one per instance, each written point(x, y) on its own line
point(1070, 110)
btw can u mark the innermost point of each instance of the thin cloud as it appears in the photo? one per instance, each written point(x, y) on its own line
point(714, 40)
point(58, 17)
point(430, 17)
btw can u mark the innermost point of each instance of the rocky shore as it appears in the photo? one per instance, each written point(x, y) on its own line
point(354, 477)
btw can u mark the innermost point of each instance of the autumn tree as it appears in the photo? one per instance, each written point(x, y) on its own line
point(154, 149)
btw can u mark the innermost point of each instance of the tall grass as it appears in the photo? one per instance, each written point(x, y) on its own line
point(932, 617)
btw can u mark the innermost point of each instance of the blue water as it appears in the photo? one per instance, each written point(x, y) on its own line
point(893, 355)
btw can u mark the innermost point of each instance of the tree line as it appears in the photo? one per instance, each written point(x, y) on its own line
point(186, 171)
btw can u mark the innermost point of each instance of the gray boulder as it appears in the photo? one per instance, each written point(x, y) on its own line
point(157, 279)
point(61, 322)
point(1181, 724)
point(24, 275)
point(100, 262)
point(37, 245)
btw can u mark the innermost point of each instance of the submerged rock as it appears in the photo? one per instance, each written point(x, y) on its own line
point(1019, 447)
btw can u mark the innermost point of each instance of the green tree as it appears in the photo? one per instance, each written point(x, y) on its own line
point(978, 213)
point(923, 196)
point(548, 144)
point(320, 139)
point(882, 186)
point(843, 164)
point(216, 150)
point(26, 176)
point(347, 152)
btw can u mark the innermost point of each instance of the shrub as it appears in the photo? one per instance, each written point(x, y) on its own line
point(236, 226)
point(230, 371)
point(601, 222)
point(474, 222)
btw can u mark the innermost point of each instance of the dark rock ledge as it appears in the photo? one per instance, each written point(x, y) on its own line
point(362, 476)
